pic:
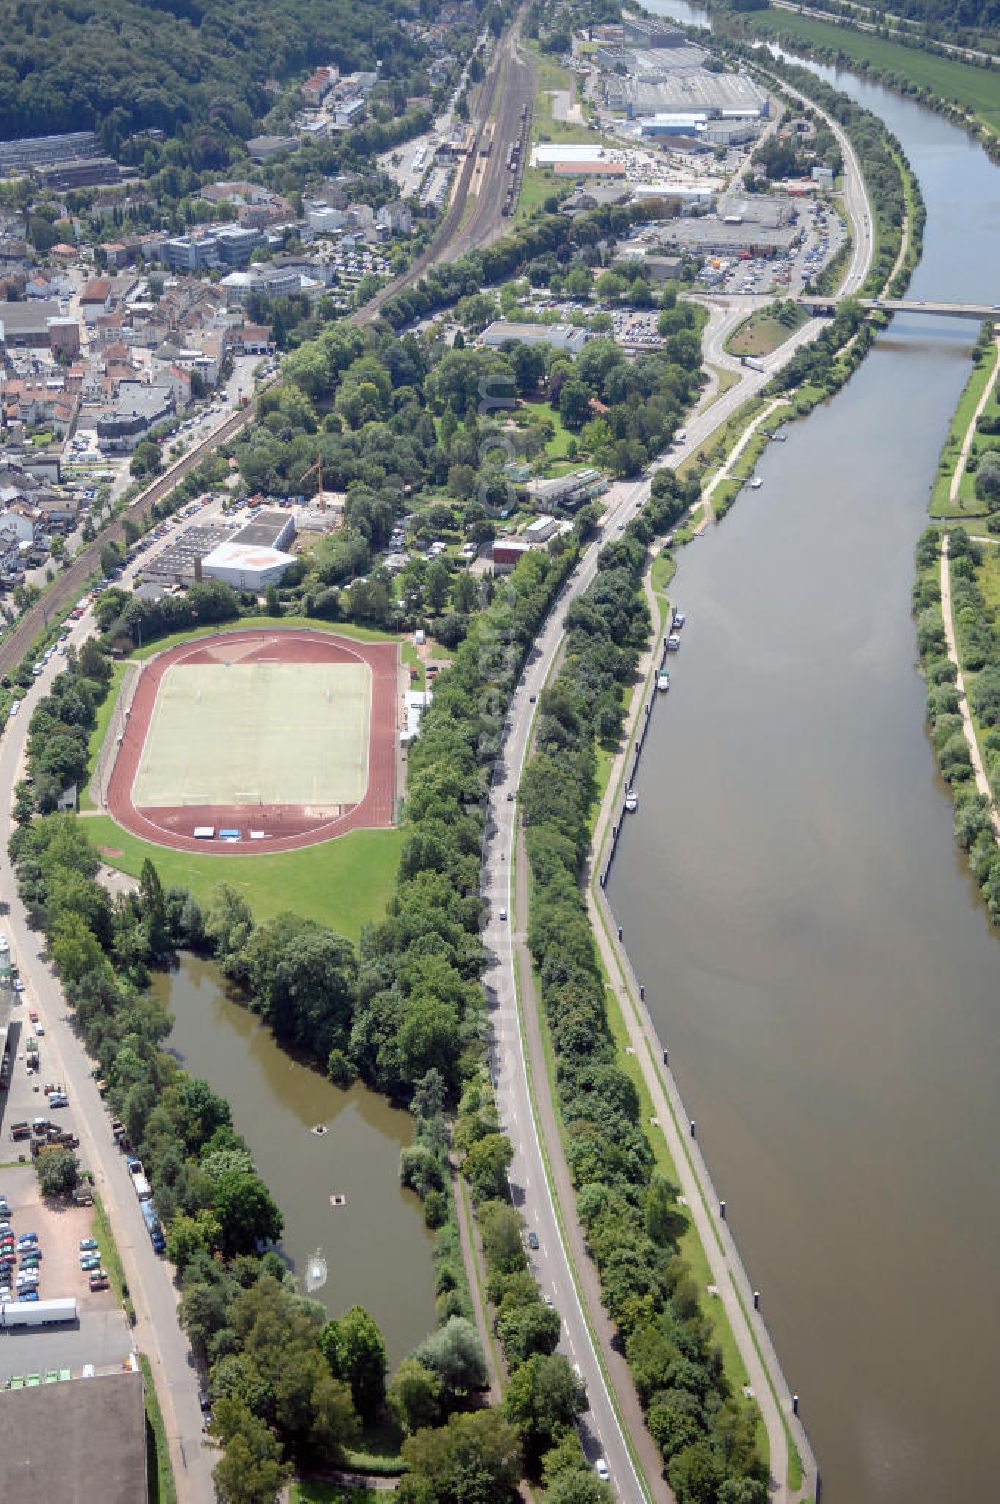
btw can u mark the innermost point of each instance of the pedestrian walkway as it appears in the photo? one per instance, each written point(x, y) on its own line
point(978, 770)
point(725, 469)
point(970, 432)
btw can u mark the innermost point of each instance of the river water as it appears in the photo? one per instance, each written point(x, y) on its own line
point(376, 1249)
point(815, 954)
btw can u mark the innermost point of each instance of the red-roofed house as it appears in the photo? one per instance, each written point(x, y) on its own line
point(96, 299)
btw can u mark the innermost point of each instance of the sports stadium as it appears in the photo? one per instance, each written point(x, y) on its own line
point(258, 740)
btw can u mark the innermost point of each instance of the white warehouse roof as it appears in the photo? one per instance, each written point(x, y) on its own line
point(548, 156)
point(246, 565)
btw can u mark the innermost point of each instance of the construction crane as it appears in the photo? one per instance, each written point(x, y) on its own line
point(317, 470)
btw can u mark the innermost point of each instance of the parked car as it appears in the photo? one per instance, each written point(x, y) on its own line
point(87, 1245)
point(99, 1280)
point(89, 1262)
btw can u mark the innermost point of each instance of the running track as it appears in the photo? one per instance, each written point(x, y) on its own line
point(287, 826)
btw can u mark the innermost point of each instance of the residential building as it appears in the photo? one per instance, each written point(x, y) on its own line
point(96, 299)
point(349, 112)
point(263, 147)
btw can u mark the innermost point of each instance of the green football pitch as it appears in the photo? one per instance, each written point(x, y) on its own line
point(257, 733)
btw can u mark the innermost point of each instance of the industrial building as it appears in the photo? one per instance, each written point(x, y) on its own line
point(245, 567)
point(83, 1438)
point(267, 530)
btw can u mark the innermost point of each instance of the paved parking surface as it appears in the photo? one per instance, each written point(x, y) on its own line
point(100, 1337)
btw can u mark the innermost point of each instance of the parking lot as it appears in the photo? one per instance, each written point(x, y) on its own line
point(59, 1228)
point(102, 1335)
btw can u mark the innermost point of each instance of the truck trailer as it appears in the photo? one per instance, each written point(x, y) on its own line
point(36, 1313)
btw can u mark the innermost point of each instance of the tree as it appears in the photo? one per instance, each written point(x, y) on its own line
point(578, 1486)
point(251, 1470)
point(302, 978)
point(485, 1167)
point(246, 1211)
point(437, 584)
point(543, 1399)
point(574, 404)
point(58, 1171)
point(154, 910)
point(414, 1396)
point(474, 1459)
point(355, 1350)
point(988, 480)
point(453, 1352)
point(189, 1236)
point(695, 1474)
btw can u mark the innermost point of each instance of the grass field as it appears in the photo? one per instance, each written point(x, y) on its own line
point(345, 883)
point(762, 333)
point(249, 733)
point(974, 88)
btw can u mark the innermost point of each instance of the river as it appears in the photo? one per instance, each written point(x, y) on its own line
point(376, 1249)
point(815, 953)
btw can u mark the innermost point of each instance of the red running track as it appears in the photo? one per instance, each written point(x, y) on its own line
point(286, 827)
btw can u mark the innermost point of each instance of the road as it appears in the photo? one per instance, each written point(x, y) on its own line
point(530, 1182)
point(157, 1332)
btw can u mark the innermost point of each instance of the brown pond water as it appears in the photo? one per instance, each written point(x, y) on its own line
point(376, 1249)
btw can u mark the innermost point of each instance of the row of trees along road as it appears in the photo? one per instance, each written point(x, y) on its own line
point(705, 1430)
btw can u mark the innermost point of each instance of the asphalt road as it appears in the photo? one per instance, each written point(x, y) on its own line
point(150, 1282)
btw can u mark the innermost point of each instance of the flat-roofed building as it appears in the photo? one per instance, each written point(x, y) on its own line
point(560, 336)
point(85, 1438)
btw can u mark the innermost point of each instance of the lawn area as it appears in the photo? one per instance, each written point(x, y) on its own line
point(537, 412)
point(762, 333)
point(988, 577)
point(982, 373)
point(974, 88)
point(344, 883)
point(252, 623)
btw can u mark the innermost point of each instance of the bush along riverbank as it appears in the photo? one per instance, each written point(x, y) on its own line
point(978, 642)
point(633, 1221)
point(290, 1389)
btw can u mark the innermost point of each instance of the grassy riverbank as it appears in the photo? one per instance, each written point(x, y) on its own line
point(915, 72)
point(974, 570)
point(982, 375)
